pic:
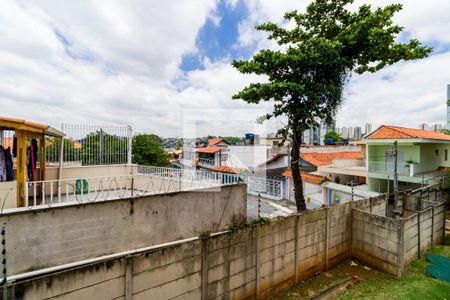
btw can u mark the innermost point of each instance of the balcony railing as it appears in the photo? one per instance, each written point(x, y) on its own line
point(206, 161)
point(388, 168)
point(148, 181)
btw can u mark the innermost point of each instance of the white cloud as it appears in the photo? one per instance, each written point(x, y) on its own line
point(416, 91)
point(406, 94)
point(124, 62)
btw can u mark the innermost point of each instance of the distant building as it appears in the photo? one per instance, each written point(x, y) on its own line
point(424, 126)
point(272, 139)
point(357, 133)
point(437, 127)
point(344, 132)
point(316, 134)
point(350, 132)
point(368, 128)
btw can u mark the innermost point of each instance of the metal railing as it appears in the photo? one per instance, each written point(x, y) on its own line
point(93, 189)
point(194, 175)
point(206, 161)
point(262, 186)
point(149, 180)
point(268, 188)
point(91, 145)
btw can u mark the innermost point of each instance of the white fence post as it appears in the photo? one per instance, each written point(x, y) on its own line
point(130, 144)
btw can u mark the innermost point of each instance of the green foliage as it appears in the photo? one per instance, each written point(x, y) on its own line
point(53, 148)
point(445, 131)
point(328, 43)
point(334, 135)
point(204, 235)
point(233, 140)
point(96, 148)
point(147, 150)
point(238, 226)
point(100, 147)
point(374, 284)
point(178, 146)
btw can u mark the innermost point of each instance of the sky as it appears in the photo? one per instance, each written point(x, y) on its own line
point(155, 64)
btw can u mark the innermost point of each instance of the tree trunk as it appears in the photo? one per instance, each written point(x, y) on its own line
point(295, 167)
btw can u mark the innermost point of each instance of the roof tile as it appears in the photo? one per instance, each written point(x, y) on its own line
point(396, 132)
point(326, 158)
point(208, 149)
point(307, 177)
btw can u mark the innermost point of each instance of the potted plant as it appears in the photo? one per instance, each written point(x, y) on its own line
point(410, 163)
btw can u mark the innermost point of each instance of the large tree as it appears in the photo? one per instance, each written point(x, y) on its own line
point(147, 150)
point(316, 57)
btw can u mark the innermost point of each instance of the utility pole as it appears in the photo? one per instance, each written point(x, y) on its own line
point(394, 153)
point(395, 176)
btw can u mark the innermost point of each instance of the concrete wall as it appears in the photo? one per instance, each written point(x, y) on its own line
point(262, 259)
point(421, 231)
point(90, 171)
point(392, 244)
point(258, 261)
point(48, 237)
point(376, 240)
point(343, 163)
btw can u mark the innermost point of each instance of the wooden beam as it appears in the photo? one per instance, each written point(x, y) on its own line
point(21, 167)
point(42, 158)
point(21, 127)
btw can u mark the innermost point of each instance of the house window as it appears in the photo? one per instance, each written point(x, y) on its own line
point(445, 154)
point(437, 152)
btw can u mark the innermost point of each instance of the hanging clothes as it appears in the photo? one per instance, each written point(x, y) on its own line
point(32, 159)
point(9, 165)
point(14, 152)
point(2, 164)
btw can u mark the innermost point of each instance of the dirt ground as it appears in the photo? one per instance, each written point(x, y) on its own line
point(351, 269)
point(353, 280)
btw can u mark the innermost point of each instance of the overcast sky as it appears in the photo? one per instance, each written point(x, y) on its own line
point(149, 63)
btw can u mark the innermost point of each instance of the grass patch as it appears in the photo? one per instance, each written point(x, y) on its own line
point(414, 285)
point(376, 284)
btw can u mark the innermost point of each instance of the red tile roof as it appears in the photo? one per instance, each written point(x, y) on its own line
point(307, 177)
point(212, 142)
point(226, 169)
point(396, 132)
point(210, 149)
point(326, 158)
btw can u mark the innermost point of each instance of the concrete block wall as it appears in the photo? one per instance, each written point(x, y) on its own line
point(339, 241)
point(376, 240)
point(413, 201)
point(105, 280)
point(392, 244)
point(168, 273)
point(276, 256)
point(422, 230)
point(260, 260)
point(254, 262)
point(374, 205)
point(55, 236)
